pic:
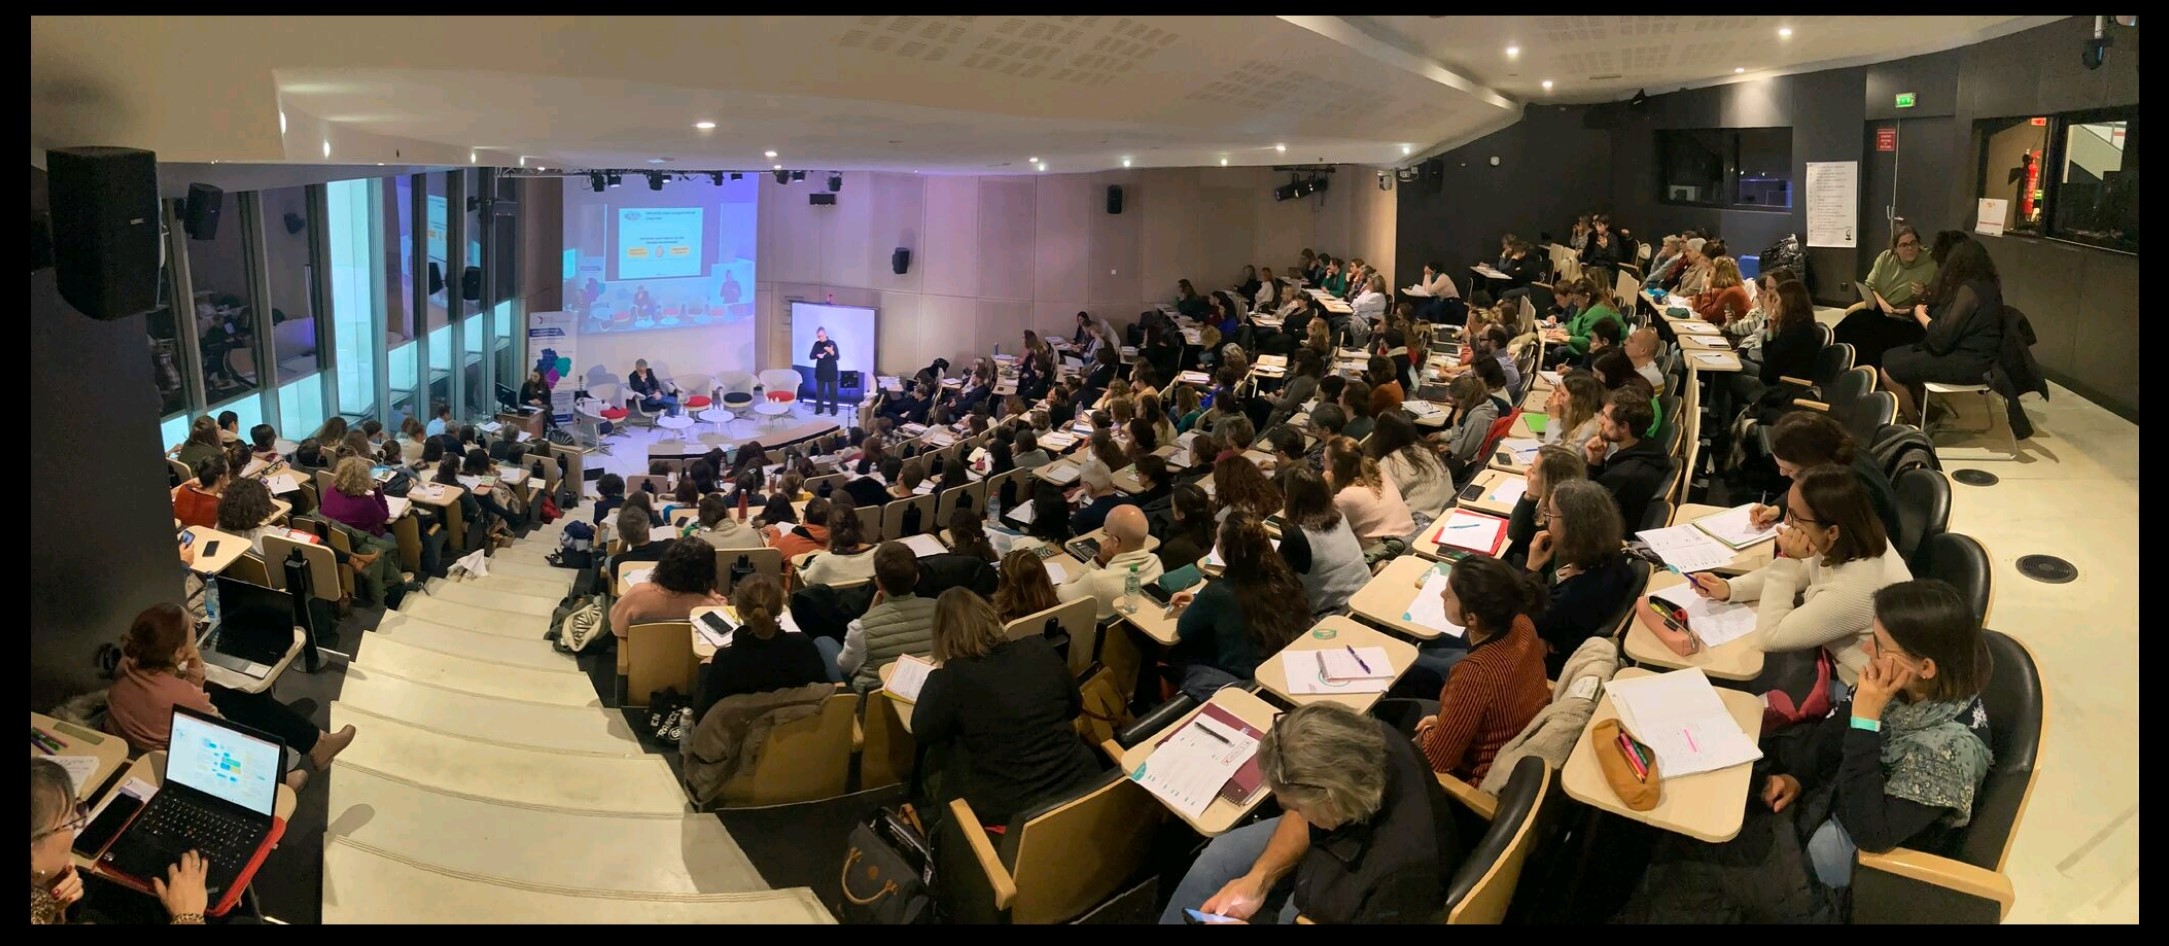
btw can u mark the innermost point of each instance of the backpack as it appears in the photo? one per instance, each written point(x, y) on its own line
point(581, 628)
point(575, 546)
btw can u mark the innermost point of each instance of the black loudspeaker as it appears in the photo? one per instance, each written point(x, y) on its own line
point(1114, 198)
point(821, 200)
point(470, 284)
point(105, 229)
point(900, 261)
point(848, 380)
point(199, 217)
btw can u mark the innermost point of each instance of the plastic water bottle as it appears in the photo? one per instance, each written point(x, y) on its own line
point(210, 602)
point(1131, 587)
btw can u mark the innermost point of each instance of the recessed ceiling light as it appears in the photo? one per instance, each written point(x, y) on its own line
point(704, 126)
point(1042, 166)
point(1405, 149)
point(770, 154)
point(1547, 85)
point(658, 160)
point(1281, 148)
point(282, 121)
point(1034, 160)
point(327, 147)
point(523, 162)
point(379, 163)
point(1223, 162)
point(1512, 51)
point(474, 157)
point(1125, 162)
point(779, 167)
point(1736, 70)
point(1784, 32)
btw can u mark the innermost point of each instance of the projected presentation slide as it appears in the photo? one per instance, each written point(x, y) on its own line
point(680, 257)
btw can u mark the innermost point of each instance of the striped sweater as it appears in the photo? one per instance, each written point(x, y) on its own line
point(1489, 697)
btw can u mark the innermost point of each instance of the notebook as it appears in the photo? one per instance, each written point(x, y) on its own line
point(1681, 718)
point(1462, 529)
point(908, 678)
point(1735, 527)
point(924, 545)
point(1247, 778)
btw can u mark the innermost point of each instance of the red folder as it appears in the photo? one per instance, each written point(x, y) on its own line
point(1247, 779)
point(1488, 545)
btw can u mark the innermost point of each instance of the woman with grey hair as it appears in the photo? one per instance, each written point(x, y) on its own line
point(55, 884)
point(1366, 834)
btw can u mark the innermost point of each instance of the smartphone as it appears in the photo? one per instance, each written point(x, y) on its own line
point(1473, 491)
point(716, 623)
point(187, 538)
point(210, 548)
point(1203, 919)
point(100, 832)
point(1157, 593)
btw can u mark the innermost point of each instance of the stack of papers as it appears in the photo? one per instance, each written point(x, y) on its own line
point(1194, 377)
point(1057, 440)
point(1679, 716)
point(1523, 449)
point(398, 505)
point(1056, 574)
point(1213, 558)
point(1467, 530)
point(1331, 671)
point(281, 483)
point(1717, 622)
point(1548, 377)
point(1686, 548)
point(638, 576)
point(1060, 474)
point(1735, 527)
point(908, 678)
point(1428, 608)
point(470, 481)
point(924, 545)
point(1189, 769)
point(1509, 492)
point(1022, 512)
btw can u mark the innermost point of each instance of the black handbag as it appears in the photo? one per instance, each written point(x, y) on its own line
point(888, 871)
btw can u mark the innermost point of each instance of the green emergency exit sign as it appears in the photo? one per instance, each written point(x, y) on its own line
point(1905, 100)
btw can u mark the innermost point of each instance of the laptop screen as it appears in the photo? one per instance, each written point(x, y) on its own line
point(223, 762)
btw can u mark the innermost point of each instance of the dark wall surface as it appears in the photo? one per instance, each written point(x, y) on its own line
point(101, 525)
point(1561, 161)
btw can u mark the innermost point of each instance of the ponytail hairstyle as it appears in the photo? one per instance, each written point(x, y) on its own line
point(156, 635)
point(1349, 467)
point(759, 601)
point(1494, 594)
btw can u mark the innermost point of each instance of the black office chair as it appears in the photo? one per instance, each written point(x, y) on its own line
point(1964, 883)
point(1863, 417)
point(1924, 509)
point(1617, 619)
point(1832, 360)
point(1957, 558)
point(1656, 516)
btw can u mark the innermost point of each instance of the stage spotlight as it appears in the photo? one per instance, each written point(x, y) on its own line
point(783, 176)
point(737, 176)
point(835, 181)
point(595, 180)
point(613, 178)
point(716, 177)
point(797, 176)
point(655, 180)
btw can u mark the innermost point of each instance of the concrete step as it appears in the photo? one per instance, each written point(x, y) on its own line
point(480, 620)
point(453, 672)
point(364, 884)
point(488, 594)
point(532, 725)
point(537, 778)
point(533, 652)
point(669, 854)
point(507, 583)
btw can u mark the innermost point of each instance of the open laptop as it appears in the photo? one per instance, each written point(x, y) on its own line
point(221, 783)
point(255, 627)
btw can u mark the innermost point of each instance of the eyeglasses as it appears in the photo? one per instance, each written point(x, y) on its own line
point(1902, 244)
point(74, 823)
point(1794, 518)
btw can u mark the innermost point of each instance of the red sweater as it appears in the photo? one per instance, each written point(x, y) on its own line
point(1489, 697)
point(194, 507)
point(1711, 305)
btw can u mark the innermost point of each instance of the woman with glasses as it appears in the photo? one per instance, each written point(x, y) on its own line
point(1580, 543)
point(1366, 835)
point(1884, 319)
point(1555, 464)
point(56, 816)
point(1832, 557)
point(1902, 764)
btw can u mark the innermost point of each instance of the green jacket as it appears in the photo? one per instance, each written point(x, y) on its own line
point(1894, 279)
point(1336, 284)
point(1585, 322)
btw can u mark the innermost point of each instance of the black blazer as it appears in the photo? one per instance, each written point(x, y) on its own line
point(824, 362)
point(1008, 716)
point(1579, 605)
point(753, 665)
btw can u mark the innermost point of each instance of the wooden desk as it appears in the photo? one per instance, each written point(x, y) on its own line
point(1691, 342)
point(434, 494)
point(1432, 550)
point(1521, 429)
point(516, 420)
point(1739, 659)
point(903, 706)
point(1272, 675)
point(1746, 560)
point(1707, 807)
point(236, 680)
point(1714, 362)
point(1693, 327)
point(110, 750)
point(1157, 621)
point(230, 549)
point(1490, 502)
point(151, 767)
point(1385, 599)
point(1222, 815)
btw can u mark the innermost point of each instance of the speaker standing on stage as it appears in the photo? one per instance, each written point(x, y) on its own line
point(824, 371)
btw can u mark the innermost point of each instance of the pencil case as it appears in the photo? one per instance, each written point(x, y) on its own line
point(1637, 790)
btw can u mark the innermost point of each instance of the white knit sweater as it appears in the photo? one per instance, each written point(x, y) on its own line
point(1836, 608)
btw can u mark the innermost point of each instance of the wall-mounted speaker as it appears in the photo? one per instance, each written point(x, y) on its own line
point(1114, 198)
point(295, 223)
point(821, 200)
point(105, 229)
point(900, 261)
point(470, 284)
point(199, 217)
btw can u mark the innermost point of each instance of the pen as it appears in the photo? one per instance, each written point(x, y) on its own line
point(49, 737)
point(1626, 748)
point(39, 744)
point(1201, 727)
point(1358, 658)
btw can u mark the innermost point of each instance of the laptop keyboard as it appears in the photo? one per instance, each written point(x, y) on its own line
point(167, 831)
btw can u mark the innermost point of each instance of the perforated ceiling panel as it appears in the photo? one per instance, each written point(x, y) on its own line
point(1077, 50)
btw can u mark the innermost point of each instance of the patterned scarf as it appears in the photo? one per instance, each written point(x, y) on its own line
point(1934, 754)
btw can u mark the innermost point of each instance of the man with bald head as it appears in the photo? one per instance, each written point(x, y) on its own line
point(1642, 351)
point(1124, 546)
